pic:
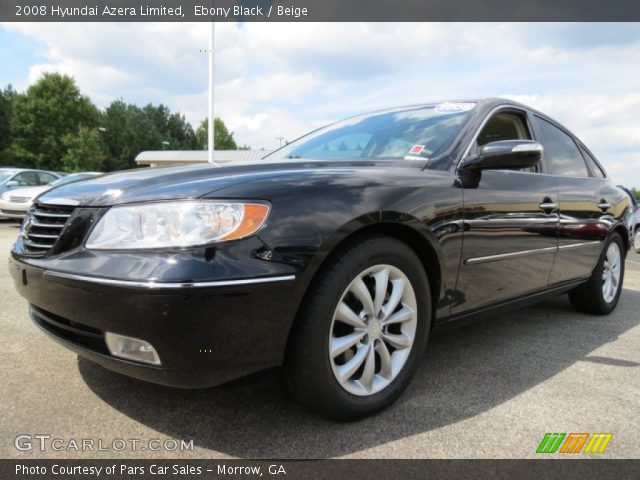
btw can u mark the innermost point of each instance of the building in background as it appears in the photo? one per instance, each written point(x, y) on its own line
point(169, 158)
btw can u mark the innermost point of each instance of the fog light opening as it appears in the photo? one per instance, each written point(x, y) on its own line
point(131, 349)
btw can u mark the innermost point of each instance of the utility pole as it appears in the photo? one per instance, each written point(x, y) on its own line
point(211, 118)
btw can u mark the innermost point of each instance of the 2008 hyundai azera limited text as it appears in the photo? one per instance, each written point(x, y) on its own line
point(336, 256)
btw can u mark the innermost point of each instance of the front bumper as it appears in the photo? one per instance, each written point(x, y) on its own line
point(206, 333)
point(13, 210)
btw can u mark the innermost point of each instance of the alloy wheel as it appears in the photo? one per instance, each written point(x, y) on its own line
point(373, 330)
point(611, 272)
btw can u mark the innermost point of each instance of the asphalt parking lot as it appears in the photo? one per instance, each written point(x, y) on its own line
point(488, 390)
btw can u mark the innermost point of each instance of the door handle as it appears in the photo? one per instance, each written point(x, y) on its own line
point(548, 205)
point(604, 205)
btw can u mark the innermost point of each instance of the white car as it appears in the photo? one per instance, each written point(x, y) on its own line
point(16, 203)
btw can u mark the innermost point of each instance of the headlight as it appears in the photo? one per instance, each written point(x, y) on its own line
point(5, 196)
point(176, 224)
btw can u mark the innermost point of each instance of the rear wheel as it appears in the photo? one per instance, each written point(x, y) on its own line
point(362, 330)
point(601, 293)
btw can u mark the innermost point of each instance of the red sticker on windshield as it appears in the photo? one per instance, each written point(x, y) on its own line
point(416, 149)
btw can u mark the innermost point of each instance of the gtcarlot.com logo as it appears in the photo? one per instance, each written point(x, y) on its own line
point(574, 442)
point(46, 442)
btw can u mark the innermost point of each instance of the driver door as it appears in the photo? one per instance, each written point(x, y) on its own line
point(510, 225)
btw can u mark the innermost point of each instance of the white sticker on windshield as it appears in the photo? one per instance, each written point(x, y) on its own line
point(454, 107)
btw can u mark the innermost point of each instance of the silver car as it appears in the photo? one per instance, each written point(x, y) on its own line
point(633, 219)
point(11, 178)
point(17, 202)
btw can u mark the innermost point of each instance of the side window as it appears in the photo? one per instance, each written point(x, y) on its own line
point(560, 151)
point(596, 170)
point(27, 179)
point(46, 178)
point(505, 126)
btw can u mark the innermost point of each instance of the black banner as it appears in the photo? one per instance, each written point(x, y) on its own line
point(320, 469)
point(317, 10)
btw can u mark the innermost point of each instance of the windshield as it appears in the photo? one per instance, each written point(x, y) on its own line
point(411, 133)
point(5, 176)
point(74, 177)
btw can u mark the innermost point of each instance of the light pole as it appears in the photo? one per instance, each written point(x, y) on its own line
point(210, 132)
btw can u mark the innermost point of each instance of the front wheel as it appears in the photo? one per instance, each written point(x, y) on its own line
point(360, 335)
point(601, 293)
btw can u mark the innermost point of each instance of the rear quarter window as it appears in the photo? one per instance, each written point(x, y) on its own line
point(596, 170)
point(562, 155)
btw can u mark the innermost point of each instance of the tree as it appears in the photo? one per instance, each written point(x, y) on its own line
point(85, 151)
point(222, 138)
point(6, 108)
point(51, 108)
point(636, 193)
point(129, 130)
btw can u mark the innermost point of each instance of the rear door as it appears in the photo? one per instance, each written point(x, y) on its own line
point(46, 178)
point(510, 225)
point(587, 201)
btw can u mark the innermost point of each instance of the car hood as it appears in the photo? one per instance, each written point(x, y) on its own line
point(27, 192)
point(193, 181)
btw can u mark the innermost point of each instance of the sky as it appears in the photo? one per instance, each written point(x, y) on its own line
point(282, 80)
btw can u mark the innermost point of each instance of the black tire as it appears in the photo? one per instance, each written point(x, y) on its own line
point(308, 367)
point(589, 297)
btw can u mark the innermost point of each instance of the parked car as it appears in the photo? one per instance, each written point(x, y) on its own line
point(16, 203)
point(337, 256)
point(11, 178)
point(633, 219)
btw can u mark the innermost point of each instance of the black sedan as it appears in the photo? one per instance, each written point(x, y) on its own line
point(336, 256)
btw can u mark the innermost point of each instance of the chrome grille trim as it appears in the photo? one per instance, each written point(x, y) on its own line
point(50, 215)
point(31, 244)
point(42, 235)
point(42, 227)
point(46, 225)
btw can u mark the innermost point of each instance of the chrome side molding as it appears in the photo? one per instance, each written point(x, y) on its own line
point(505, 256)
point(524, 253)
point(578, 245)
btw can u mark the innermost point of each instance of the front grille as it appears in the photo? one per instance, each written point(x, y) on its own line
point(42, 227)
point(13, 199)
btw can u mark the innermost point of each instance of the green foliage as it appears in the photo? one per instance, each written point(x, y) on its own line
point(130, 130)
point(636, 193)
point(49, 110)
point(53, 126)
point(85, 151)
point(6, 108)
point(222, 138)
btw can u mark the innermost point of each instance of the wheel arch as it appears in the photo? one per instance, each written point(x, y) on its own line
point(624, 233)
point(400, 226)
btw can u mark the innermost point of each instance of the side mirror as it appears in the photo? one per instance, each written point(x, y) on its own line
point(12, 183)
point(506, 154)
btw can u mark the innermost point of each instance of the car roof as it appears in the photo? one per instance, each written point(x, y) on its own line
point(485, 103)
point(18, 170)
